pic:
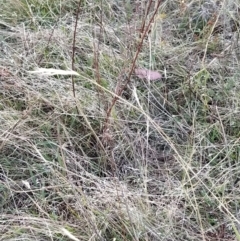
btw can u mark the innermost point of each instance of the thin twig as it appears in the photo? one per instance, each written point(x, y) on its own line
point(139, 47)
point(48, 42)
point(74, 46)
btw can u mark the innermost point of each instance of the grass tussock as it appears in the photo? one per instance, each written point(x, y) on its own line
point(105, 155)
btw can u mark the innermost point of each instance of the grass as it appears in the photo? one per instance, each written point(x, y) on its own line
point(158, 162)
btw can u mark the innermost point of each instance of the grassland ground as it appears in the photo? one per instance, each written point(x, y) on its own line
point(104, 154)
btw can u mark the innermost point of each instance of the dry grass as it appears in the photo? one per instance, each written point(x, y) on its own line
point(164, 165)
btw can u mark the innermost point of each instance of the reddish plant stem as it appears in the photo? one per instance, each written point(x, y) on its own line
point(145, 17)
point(139, 47)
point(96, 53)
point(74, 46)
